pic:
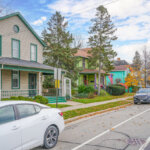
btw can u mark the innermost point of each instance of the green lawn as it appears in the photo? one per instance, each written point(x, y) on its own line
point(101, 98)
point(82, 111)
point(59, 105)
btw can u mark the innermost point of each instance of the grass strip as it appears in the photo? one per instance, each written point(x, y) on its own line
point(59, 105)
point(83, 111)
point(101, 98)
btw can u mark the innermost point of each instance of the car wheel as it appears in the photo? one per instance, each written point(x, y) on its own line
point(51, 137)
point(135, 102)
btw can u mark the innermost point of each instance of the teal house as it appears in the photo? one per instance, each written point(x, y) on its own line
point(118, 75)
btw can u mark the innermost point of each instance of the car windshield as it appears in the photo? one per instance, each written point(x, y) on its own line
point(144, 91)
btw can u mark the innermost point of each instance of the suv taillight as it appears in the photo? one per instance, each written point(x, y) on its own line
point(61, 114)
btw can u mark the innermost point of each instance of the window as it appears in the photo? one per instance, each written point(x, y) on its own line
point(25, 110)
point(15, 48)
point(83, 63)
point(15, 79)
point(0, 45)
point(37, 108)
point(7, 114)
point(16, 28)
point(33, 52)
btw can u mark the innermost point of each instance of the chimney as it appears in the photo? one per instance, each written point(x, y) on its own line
point(118, 59)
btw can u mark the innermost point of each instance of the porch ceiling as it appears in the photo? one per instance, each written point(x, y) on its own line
point(24, 65)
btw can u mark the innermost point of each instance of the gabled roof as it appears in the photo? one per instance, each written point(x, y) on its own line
point(26, 23)
point(120, 68)
point(120, 62)
point(83, 52)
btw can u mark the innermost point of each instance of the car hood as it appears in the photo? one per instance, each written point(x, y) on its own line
point(141, 94)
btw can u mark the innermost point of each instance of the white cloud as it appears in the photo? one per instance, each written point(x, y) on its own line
point(131, 17)
point(127, 52)
point(39, 21)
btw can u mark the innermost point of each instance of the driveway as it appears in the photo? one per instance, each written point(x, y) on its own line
point(124, 129)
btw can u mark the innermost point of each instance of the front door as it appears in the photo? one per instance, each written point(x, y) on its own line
point(85, 79)
point(32, 85)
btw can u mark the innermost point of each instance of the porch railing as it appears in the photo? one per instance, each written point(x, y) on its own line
point(25, 93)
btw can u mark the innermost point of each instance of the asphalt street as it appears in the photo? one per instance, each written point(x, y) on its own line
point(124, 129)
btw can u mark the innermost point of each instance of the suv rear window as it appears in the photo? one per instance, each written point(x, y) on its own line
point(7, 114)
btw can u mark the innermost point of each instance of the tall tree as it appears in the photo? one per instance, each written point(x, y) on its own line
point(137, 62)
point(60, 51)
point(101, 35)
point(145, 64)
point(137, 66)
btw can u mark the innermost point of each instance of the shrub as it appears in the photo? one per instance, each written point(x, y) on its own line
point(91, 95)
point(14, 98)
point(89, 89)
point(85, 89)
point(41, 99)
point(74, 91)
point(81, 88)
point(115, 89)
point(82, 95)
point(103, 93)
point(38, 99)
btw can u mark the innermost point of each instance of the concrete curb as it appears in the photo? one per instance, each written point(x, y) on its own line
point(96, 113)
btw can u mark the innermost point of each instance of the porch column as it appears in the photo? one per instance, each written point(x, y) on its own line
point(63, 85)
point(0, 85)
point(40, 86)
point(95, 81)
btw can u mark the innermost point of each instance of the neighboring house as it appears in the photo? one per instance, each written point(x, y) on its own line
point(88, 75)
point(120, 62)
point(119, 73)
point(21, 58)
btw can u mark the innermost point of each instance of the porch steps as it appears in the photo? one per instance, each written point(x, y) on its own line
point(52, 99)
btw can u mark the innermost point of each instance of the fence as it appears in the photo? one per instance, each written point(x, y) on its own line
point(25, 93)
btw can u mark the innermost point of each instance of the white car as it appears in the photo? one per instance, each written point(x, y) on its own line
point(26, 125)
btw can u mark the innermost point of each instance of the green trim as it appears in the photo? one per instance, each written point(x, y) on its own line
point(31, 44)
point(1, 80)
point(12, 48)
point(26, 24)
point(27, 69)
point(12, 80)
point(0, 45)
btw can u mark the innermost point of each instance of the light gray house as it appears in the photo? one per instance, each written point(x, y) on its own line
point(21, 58)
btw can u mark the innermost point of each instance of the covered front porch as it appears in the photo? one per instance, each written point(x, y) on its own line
point(21, 77)
point(90, 78)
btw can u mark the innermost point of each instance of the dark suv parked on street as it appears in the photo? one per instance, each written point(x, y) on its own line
point(142, 96)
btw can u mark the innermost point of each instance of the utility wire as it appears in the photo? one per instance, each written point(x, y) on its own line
point(87, 9)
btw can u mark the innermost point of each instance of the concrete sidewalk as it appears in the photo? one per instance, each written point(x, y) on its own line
point(81, 105)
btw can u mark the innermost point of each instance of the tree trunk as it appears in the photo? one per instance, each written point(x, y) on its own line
point(99, 79)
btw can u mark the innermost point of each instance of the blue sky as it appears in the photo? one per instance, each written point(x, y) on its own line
point(131, 17)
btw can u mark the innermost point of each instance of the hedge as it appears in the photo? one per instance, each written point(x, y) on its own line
point(115, 90)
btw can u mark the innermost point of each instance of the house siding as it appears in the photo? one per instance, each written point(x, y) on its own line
point(117, 75)
point(24, 35)
point(24, 80)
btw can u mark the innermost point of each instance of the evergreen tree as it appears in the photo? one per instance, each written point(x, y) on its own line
point(137, 62)
point(101, 36)
point(60, 51)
